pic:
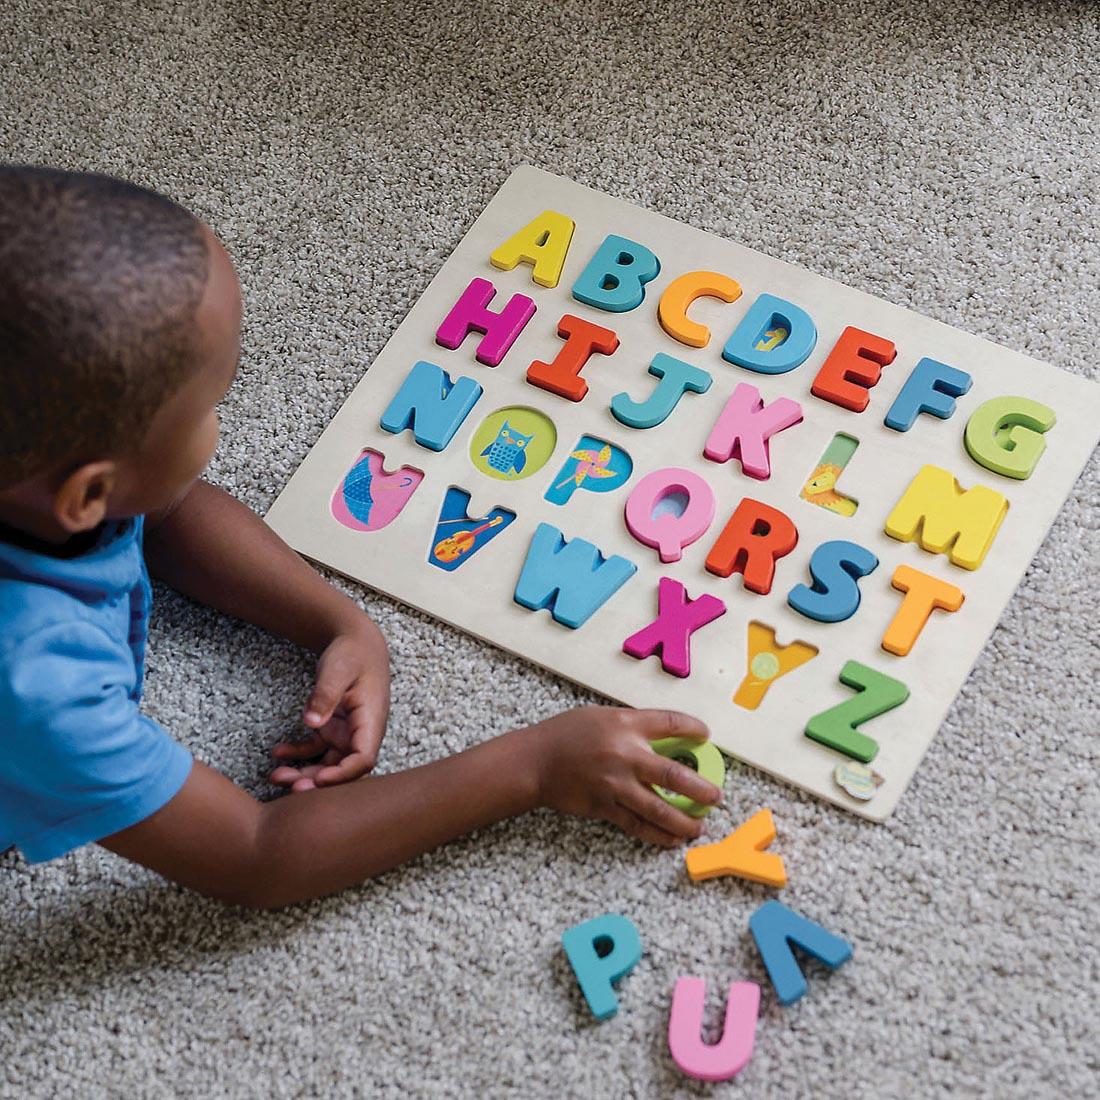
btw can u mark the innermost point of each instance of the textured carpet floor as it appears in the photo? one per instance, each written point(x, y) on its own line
point(945, 158)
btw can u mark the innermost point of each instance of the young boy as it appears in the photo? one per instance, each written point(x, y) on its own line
point(119, 321)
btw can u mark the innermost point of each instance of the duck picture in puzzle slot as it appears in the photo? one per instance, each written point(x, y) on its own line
point(513, 443)
point(368, 497)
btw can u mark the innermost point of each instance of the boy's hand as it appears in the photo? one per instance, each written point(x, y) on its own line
point(347, 713)
point(214, 549)
point(597, 762)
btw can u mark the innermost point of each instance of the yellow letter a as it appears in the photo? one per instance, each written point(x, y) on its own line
point(541, 243)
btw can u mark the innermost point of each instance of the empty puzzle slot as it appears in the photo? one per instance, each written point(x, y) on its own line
point(458, 535)
point(772, 334)
point(767, 662)
point(820, 487)
point(369, 497)
point(594, 465)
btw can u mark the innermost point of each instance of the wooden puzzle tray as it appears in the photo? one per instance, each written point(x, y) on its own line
point(612, 388)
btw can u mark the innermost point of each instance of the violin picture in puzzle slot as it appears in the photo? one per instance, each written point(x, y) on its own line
point(458, 535)
point(452, 547)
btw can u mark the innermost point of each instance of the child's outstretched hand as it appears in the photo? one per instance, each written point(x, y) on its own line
point(346, 713)
point(597, 762)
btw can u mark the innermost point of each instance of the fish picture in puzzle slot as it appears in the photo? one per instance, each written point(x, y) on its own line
point(369, 498)
point(513, 443)
point(593, 465)
point(458, 535)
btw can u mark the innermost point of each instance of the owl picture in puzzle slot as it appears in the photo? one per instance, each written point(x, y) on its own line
point(513, 443)
point(506, 454)
point(368, 497)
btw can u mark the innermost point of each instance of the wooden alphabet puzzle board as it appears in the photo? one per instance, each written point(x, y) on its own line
point(844, 494)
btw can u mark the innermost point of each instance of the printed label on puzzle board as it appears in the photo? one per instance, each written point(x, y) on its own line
point(796, 565)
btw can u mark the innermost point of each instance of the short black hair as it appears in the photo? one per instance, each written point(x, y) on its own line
point(99, 283)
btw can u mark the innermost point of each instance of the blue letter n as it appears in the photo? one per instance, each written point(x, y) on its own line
point(430, 404)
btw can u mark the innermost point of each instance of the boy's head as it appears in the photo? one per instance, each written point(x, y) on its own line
point(119, 327)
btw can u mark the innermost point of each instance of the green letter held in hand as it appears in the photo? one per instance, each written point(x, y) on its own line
point(700, 756)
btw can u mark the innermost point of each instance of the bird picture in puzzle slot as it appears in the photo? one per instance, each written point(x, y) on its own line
point(369, 498)
point(506, 452)
point(593, 465)
point(458, 535)
point(820, 488)
point(513, 443)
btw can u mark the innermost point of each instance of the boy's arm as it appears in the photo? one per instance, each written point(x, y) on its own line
point(217, 839)
point(213, 548)
point(595, 762)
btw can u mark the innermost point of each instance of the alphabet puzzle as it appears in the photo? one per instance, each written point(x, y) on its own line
point(687, 475)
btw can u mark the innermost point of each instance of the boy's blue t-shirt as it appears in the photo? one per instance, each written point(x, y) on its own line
point(78, 761)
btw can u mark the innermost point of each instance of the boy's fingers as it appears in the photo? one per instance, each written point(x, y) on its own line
point(648, 805)
point(367, 726)
point(306, 749)
point(679, 778)
point(655, 724)
point(307, 771)
point(335, 674)
point(636, 826)
point(321, 704)
point(351, 767)
point(284, 776)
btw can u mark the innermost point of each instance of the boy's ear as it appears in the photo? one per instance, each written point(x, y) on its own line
point(80, 502)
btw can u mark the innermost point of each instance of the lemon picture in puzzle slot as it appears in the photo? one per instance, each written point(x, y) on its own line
point(767, 662)
point(764, 666)
point(513, 443)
